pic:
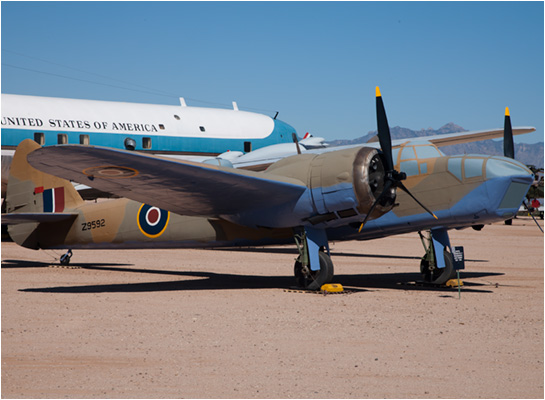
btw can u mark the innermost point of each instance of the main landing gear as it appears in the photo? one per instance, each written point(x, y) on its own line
point(437, 265)
point(313, 268)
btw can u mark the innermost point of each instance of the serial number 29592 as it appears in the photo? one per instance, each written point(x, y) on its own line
point(99, 223)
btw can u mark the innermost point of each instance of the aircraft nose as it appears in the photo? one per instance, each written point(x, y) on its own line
point(497, 167)
point(509, 181)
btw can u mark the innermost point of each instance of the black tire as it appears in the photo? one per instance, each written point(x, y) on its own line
point(314, 279)
point(438, 276)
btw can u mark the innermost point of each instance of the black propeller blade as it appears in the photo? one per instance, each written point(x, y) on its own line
point(509, 151)
point(508, 145)
point(384, 136)
point(392, 178)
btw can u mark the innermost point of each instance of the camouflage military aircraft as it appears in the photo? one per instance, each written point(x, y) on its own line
point(347, 193)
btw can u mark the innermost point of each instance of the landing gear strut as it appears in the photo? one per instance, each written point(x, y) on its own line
point(65, 258)
point(313, 268)
point(433, 269)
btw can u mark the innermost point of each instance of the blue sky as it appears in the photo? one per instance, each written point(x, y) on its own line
point(317, 63)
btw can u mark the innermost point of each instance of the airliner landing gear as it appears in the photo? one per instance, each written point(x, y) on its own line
point(434, 269)
point(65, 258)
point(313, 268)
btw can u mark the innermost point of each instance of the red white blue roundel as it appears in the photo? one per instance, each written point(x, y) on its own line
point(152, 221)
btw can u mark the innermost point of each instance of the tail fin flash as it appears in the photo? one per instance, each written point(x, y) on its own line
point(37, 195)
point(30, 190)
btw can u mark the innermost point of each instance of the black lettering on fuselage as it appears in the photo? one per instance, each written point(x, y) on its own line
point(20, 121)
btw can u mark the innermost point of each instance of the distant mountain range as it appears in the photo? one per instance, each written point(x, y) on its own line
point(529, 154)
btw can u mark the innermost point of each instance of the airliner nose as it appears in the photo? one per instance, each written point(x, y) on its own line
point(282, 131)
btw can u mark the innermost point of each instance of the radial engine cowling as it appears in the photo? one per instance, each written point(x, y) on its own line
point(343, 183)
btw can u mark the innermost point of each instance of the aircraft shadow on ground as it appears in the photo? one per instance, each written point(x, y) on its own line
point(282, 250)
point(38, 264)
point(226, 281)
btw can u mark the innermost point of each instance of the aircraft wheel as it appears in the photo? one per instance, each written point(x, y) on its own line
point(439, 276)
point(313, 280)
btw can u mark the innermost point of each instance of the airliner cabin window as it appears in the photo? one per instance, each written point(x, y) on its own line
point(202, 128)
point(62, 138)
point(39, 138)
point(84, 139)
point(146, 143)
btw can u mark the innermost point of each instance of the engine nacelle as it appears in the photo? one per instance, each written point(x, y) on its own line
point(343, 183)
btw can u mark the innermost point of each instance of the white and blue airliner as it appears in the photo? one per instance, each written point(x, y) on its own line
point(151, 128)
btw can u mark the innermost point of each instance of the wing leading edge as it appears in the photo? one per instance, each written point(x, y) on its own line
point(472, 136)
point(182, 187)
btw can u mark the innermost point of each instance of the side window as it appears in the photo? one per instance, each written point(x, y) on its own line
point(146, 143)
point(473, 167)
point(39, 138)
point(409, 167)
point(247, 147)
point(84, 139)
point(395, 153)
point(62, 138)
point(455, 167)
point(424, 168)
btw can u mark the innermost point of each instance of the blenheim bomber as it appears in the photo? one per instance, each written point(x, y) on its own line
point(344, 193)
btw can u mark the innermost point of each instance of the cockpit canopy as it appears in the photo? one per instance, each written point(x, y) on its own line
point(411, 157)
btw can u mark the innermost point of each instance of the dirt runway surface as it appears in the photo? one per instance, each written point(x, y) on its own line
point(220, 324)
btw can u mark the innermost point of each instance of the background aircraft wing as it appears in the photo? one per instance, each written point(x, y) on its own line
point(182, 187)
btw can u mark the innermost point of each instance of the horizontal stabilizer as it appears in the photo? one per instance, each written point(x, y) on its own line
point(25, 218)
point(182, 187)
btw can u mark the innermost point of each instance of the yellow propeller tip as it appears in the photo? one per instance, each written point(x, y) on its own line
point(377, 90)
point(361, 226)
point(434, 216)
point(507, 111)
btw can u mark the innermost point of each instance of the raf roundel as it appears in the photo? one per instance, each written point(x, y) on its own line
point(152, 221)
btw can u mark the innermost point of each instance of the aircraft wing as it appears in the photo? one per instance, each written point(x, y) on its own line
point(472, 136)
point(260, 159)
point(182, 187)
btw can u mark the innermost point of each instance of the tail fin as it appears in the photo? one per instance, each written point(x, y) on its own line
point(32, 191)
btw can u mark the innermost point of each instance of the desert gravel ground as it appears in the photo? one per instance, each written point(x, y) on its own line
point(220, 324)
